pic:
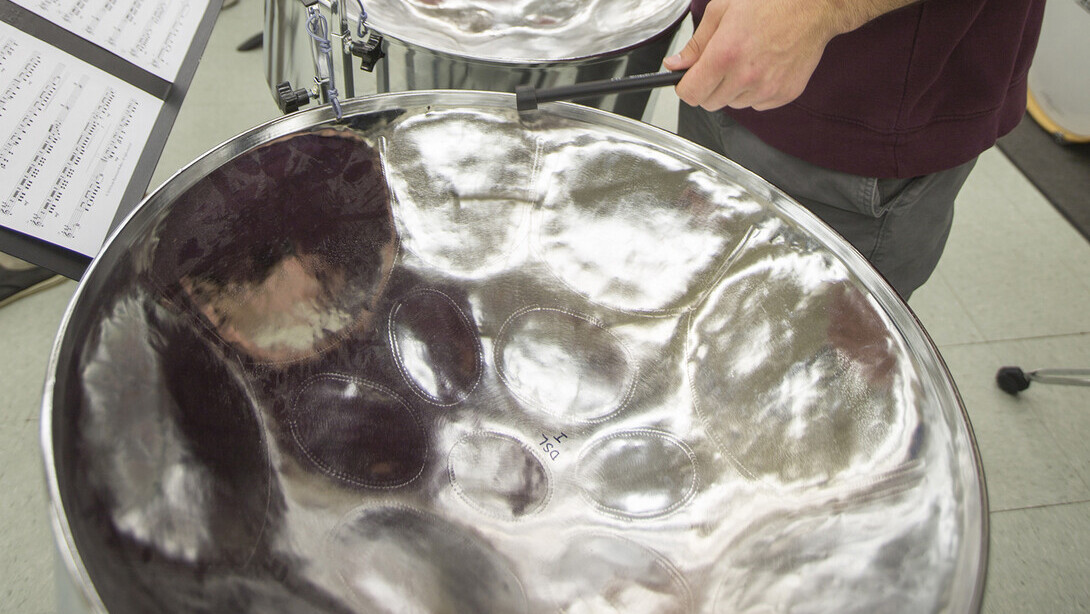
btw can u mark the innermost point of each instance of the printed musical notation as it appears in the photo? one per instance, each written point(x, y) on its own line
point(153, 34)
point(70, 137)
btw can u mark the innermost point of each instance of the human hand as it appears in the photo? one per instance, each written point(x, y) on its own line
point(755, 53)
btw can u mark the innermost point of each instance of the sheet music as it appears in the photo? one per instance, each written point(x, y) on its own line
point(153, 34)
point(70, 138)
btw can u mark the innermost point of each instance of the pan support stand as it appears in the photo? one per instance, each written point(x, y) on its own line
point(368, 47)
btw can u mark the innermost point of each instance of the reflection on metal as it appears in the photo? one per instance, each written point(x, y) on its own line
point(481, 44)
point(440, 358)
point(523, 31)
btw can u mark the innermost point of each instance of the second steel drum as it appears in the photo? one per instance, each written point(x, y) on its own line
point(493, 45)
point(440, 357)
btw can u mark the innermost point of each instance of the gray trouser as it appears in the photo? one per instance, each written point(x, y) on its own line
point(899, 225)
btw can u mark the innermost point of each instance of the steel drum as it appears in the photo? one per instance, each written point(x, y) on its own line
point(493, 45)
point(437, 357)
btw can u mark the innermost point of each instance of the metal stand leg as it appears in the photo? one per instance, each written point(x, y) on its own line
point(1013, 380)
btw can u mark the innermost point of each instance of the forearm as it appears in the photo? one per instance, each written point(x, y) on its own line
point(851, 14)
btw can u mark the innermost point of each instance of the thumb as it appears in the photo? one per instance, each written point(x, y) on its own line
point(698, 43)
point(686, 57)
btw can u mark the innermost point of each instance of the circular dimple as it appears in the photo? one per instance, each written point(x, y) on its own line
point(638, 474)
point(175, 457)
point(564, 364)
point(462, 184)
point(605, 573)
point(435, 346)
point(634, 230)
point(499, 475)
point(798, 378)
point(394, 559)
point(284, 251)
point(358, 432)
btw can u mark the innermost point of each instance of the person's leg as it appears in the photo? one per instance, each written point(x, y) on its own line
point(899, 225)
point(915, 228)
point(701, 127)
point(19, 279)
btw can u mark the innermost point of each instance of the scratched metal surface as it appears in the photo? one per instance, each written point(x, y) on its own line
point(440, 358)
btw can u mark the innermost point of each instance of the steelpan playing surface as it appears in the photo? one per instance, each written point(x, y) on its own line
point(522, 30)
point(441, 358)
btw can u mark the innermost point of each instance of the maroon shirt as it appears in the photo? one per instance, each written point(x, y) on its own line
point(921, 89)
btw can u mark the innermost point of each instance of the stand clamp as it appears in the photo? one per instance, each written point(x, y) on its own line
point(369, 51)
point(290, 100)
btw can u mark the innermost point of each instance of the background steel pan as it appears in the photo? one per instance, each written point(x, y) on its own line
point(483, 44)
point(441, 358)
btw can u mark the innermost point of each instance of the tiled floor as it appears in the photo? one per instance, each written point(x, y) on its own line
point(1012, 289)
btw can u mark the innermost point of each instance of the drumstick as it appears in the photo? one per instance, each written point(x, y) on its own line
point(527, 97)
